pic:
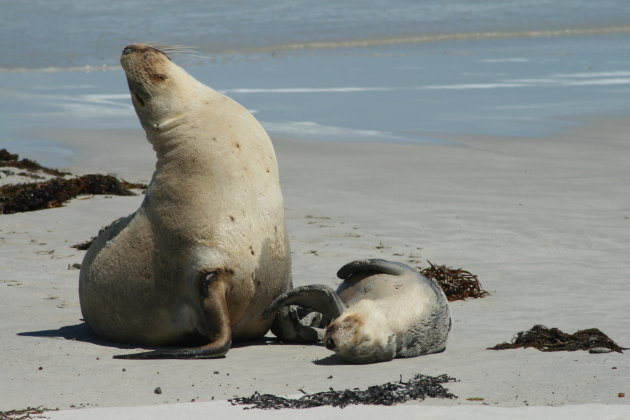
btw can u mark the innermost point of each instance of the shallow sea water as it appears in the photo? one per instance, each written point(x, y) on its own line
point(67, 33)
point(402, 71)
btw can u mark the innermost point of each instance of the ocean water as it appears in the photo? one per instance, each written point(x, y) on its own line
point(70, 33)
point(403, 70)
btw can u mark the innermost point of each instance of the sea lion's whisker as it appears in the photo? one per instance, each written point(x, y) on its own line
point(203, 57)
point(184, 50)
point(171, 48)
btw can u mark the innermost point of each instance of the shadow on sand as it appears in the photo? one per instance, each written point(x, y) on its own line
point(78, 332)
point(83, 332)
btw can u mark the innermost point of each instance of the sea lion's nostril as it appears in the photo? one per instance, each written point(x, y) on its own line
point(135, 48)
point(330, 344)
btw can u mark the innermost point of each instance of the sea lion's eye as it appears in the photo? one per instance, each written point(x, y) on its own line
point(157, 77)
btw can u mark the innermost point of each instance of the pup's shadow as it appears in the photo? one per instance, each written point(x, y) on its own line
point(332, 360)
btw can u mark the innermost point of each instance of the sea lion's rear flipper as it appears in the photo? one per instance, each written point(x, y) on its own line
point(373, 266)
point(211, 351)
point(216, 324)
point(315, 297)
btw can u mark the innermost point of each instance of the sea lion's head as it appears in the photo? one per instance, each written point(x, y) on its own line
point(160, 89)
point(361, 335)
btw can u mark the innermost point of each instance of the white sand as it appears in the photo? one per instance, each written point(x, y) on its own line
point(223, 410)
point(543, 222)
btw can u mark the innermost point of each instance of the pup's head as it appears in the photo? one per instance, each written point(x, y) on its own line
point(361, 335)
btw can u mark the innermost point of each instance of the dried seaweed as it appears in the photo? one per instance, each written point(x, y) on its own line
point(552, 339)
point(457, 284)
point(53, 193)
point(56, 191)
point(417, 388)
point(12, 160)
point(83, 246)
point(23, 414)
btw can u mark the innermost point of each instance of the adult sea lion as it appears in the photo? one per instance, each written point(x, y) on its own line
point(381, 310)
point(206, 252)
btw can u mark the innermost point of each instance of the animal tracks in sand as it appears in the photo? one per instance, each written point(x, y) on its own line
point(326, 236)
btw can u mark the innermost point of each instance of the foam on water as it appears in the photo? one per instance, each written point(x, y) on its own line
point(341, 89)
point(314, 131)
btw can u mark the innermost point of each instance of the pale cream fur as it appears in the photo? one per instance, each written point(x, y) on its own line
point(363, 333)
point(389, 316)
point(214, 203)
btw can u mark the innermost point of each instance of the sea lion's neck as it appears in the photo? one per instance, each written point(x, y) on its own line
point(175, 135)
point(185, 149)
point(166, 142)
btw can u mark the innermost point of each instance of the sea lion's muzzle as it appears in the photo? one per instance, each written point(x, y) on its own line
point(144, 68)
point(142, 49)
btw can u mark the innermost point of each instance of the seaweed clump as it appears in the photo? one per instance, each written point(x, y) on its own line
point(13, 160)
point(83, 246)
point(23, 414)
point(457, 284)
point(552, 339)
point(53, 193)
point(417, 388)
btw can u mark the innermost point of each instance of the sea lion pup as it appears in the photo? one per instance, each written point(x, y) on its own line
point(381, 310)
point(206, 252)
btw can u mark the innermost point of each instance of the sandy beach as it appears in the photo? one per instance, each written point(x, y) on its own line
point(488, 136)
point(544, 222)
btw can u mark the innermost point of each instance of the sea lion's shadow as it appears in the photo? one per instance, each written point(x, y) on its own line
point(79, 332)
point(83, 332)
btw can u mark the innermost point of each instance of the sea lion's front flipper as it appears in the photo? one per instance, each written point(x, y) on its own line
point(315, 297)
point(293, 324)
point(304, 312)
point(373, 266)
point(216, 324)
